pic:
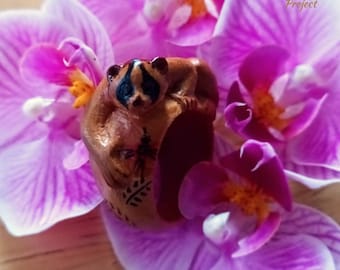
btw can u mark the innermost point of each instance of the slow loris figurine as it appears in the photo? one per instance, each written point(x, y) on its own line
point(117, 118)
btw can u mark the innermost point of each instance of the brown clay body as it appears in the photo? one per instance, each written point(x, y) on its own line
point(138, 109)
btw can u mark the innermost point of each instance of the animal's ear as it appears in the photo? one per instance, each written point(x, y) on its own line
point(160, 64)
point(112, 72)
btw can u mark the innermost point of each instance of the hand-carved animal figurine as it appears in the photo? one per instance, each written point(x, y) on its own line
point(138, 85)
point(129, 115)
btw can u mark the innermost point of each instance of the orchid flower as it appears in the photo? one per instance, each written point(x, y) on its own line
point(149, 28)
point(238, 215)
point(279, 68)
point(51, 61)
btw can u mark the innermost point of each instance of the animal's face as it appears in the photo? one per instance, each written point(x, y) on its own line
point(138, 85)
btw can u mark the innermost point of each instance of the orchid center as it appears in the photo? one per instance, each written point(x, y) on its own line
point(82, 88)
point(249, 198)
point(198, 8)
point(267, 111)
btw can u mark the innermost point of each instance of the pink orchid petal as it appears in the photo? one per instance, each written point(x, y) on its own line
point(45, 63)
point(258, 163)
point(19, 30)
point(294, 252)
point(311, 176)
point(328, 63)
point(129, 31)
point(261, 236)
point(319, 144)
point(244, 26)
point(201, 190)
point(179, 247)
point(78, 157)
point(271, 58)
point(35, 189)
point(195, 32)
point(308, 221)
point(85, 26)
point(302, 121)
point(239, 117)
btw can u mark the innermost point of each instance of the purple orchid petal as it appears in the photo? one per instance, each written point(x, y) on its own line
point(85, 26)
point(308, 221)
point(328, 63)
point(239, 117)
point(261, 236)
point(178, 247)
point(19, 31)
point(77, 158)
point(128, 31)
point(258, 163)
point(319, 144)
point(35, 189)
point(45, 63)
point(244, 26)
point(295, 252)
point(195, 32)
point(83, 57)
point(311, 176)
point(201, 190)
point(271, 58)
point(302, 121)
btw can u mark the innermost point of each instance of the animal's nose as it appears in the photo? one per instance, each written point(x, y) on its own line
point(138, 102)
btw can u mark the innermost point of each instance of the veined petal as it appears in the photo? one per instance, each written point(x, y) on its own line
point(45, 63)
point(319, 144)
point(35, 189)
point(85, 26)
point(195, 32)
point(201, 190)
point(271, 58)
point(294, 252)
point(129, 29)
point(19, 31)
point(308, 221)
point(78, 157)
point(244, 26)
point(311, 176)
point(258, 163)
point(180, 247)
point(261, 236)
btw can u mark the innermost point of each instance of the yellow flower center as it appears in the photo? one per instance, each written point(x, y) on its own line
point(267, 111)
point(249, 198)
point(82, 89)
point(198, 8)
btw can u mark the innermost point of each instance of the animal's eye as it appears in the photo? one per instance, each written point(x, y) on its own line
point(124, 91)
point(150, 88)
point(112, 72)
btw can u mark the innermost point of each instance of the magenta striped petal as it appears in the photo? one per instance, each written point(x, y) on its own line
point(246, 25)
point(85, 26)
point(308, 221)
point(35, 189)
point(19, 31)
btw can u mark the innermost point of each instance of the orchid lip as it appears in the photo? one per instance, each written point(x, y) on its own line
point(82, 55)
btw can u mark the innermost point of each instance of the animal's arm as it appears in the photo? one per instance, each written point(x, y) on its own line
point(182, 77)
